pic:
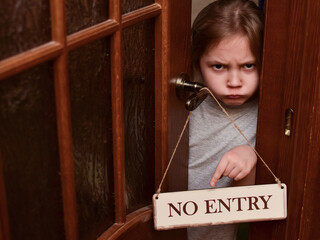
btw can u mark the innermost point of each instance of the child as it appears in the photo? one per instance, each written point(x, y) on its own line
point(226, 49)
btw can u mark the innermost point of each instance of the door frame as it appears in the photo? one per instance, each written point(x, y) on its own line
point(290, 80)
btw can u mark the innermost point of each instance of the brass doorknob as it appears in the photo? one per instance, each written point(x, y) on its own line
point(184, 85)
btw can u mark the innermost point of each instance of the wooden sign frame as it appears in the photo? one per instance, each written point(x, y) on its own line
point(219, 206)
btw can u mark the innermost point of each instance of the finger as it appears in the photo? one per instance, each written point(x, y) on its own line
point(240, 175)
point(234, 173)
point(230, 167)
point(220, 169)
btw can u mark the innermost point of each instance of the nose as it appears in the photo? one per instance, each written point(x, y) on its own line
point(234, 79)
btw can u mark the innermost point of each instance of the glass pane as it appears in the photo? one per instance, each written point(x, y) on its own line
point(24, 24)
point(29, 155)
point(129, 5)
point(81, 14)
point(89, 70)
point(138, 46)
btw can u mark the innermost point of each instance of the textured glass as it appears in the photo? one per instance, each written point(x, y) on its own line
point(81, 14)
point(24, 24)
point(138, 47)
point(89, 71)
point(29, 155)
point(129, 5)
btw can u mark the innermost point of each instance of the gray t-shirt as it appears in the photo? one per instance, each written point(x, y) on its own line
point(211, 134)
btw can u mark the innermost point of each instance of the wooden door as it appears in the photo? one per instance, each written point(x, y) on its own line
point(88, 115)
point(290, 80)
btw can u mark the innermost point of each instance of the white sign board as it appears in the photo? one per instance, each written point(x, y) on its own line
point(219, 206)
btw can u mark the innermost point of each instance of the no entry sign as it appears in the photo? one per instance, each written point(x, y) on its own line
point(219, 206)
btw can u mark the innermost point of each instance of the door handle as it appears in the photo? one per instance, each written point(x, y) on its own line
point(195, 100)
point(184, 85)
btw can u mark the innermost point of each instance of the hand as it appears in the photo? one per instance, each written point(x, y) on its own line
point(238, 163)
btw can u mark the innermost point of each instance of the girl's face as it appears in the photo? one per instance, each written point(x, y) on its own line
point(229, 70)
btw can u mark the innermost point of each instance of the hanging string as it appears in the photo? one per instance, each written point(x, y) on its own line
point(277, 180)
point(174, 152)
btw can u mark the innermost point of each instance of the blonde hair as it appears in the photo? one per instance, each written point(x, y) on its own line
point(224, 18)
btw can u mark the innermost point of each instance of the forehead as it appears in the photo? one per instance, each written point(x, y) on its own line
point(235, 46)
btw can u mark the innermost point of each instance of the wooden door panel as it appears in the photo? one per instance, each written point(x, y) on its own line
point(307, 136)
point(129, 6)
point(290, 81)
point(29, 141)
point(23, 26)
point(84, 14)
point(139, 94)
point(114, 108)
point(90, 99)
point(179, 58)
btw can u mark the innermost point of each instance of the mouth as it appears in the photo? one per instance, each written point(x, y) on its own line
point(234, 96)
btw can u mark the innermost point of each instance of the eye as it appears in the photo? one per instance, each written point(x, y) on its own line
point(248, 66)
point(218, 67)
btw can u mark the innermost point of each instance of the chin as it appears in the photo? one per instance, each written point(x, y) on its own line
point(234, 102)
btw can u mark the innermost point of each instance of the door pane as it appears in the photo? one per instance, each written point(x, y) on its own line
point(24, 24)
point(129, 5)
point(138, 47)
point(81, 14)
point(89, 70)
point(29, 155)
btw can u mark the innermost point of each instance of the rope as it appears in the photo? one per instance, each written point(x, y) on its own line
point(174, 152)
point(277, 180)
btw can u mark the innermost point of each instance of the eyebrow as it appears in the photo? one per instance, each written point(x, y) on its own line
point(213, 62)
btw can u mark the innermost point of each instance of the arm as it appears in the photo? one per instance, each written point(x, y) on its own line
point(239, 164)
